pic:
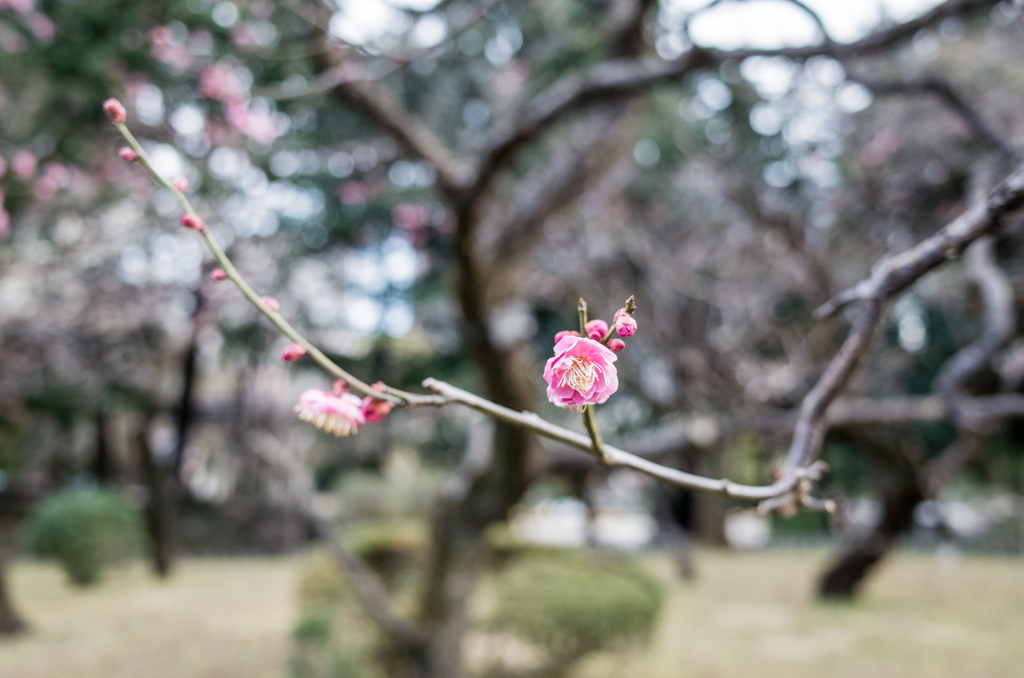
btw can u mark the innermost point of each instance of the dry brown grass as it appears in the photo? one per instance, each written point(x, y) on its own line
point(745, 615)
point(755, 615)
point(212, 619)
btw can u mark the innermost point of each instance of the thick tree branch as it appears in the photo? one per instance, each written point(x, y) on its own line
point(893, 274)
point(387, 113)
point(624, 77)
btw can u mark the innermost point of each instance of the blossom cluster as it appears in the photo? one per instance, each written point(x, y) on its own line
point(582, 372)
point(340, 412)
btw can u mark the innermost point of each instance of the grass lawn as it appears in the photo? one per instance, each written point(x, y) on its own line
point(212, 619)
point(745, 614)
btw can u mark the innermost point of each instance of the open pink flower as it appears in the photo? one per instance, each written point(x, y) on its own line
point(337, 414)
point(580, 374)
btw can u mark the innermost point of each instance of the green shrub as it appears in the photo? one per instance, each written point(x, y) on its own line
point(571, 603)
point(85, 530)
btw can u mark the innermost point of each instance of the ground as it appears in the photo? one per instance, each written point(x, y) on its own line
point(745, 614)
point(212, 619)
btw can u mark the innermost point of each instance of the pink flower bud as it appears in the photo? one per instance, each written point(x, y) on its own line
point(340, 387)
point(115, 110)
point(625, 325)
point(596, 325)
point(128, 155)
point(219, 274)
point(181, 184)
point(566, 333)
point(192, 221)
point(373, 409)
point(616, 344)
point(292, 352)
point(271, 303)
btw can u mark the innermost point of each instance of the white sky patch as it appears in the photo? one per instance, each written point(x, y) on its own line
point(773, 23)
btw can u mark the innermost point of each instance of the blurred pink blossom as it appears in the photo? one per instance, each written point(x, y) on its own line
point(409, 216)
point(55, 177)
point(24, 164)
point(220, 82)
point(19, 6)
point(338, 414)
point(166, 48)
point(375, 410)
point(580, 373)
point(257, 124)
point(41, 26)
point(353, 193)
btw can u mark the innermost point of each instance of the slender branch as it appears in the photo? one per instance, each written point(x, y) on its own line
point(799, 468)
point(616, 456)
point(453, 175)
point(891, 275)
point(250, 294)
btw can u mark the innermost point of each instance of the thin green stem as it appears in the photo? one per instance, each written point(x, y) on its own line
point(595, 435)
point(582, 308)
point(399, 398)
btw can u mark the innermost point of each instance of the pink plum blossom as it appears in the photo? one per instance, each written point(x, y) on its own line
point(581, 373)
point(616, 344)
point(338, 414)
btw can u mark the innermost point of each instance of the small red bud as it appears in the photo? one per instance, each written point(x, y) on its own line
point(271, 303)
point(292, 352)
point(566, 333)
point(115, 110)
point(181, 184)
point(192, 221)
point(219, 274)
point(128, 155)
point(616, 344)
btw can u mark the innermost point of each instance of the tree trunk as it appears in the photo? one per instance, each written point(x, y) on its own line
point(847, 573)
point(161, 513)
point(10, 622)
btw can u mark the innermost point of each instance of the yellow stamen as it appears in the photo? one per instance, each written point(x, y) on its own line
point(332, 423)
point(581, 375)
